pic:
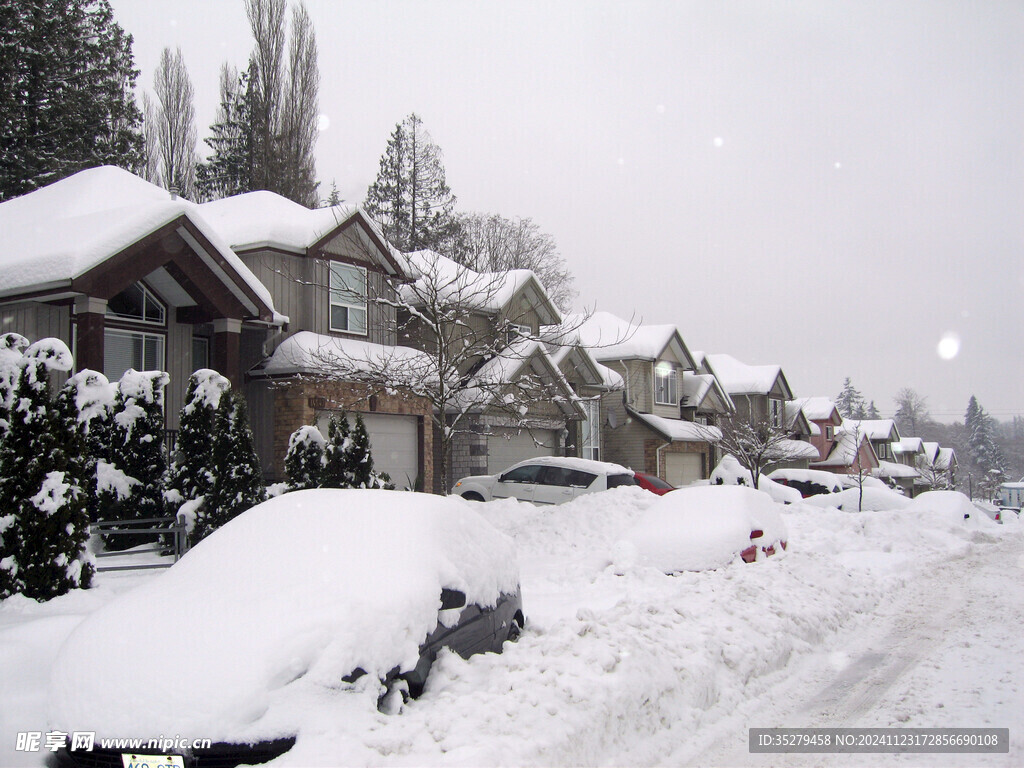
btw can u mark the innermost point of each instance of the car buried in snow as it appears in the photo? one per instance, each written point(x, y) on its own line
point(338, 598)
point(545, 480)
point(653, 483)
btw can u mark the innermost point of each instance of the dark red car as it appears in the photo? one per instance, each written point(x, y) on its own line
point(652, 483)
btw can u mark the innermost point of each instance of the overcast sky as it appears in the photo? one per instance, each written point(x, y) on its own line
point(833, 187)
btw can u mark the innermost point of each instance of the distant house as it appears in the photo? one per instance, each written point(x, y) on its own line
point(851, 454)
point(1011, 495)
point(824, 419)
point(662, 420)
point(760, 392)
point(938, 465)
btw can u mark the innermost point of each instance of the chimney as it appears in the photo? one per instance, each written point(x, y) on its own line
point(174, 191)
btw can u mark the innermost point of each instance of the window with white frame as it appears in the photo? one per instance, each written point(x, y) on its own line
point(139, 304)
point(131, 349)
point(516, 331)
point(830, 432)
point(665, 384)
point(591, 429)
point(348, 298)
point(775, 411)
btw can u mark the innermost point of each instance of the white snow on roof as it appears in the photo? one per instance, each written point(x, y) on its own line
point(63, 230)
point(681, 431)
point(798, 449)
point(844, 451)
point(308, 352)
point(894, 469)
point(435, 275)
point(266, 218)
point(908, 445)
point(696, 387)
point(742, 379)
point(875, 429)
point(609, 378)
point(485, 386)
point(611, 338)
point(816, 408)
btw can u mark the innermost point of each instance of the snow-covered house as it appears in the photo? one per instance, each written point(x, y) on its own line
point(884, 435)
point(490, 327)
point(824, 419)
point(1011, 495)
point(938, 466)
point(332, 272)
point(662, 421)
point(760, 392)
point(129, 277)
point(851, 454)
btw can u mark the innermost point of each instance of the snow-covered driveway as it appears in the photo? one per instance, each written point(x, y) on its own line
point(869, 619)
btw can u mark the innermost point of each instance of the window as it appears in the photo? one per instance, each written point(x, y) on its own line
point(517, 330)
point(615, 481)
point(775, 411)
point(131, 349)
point(527, 474)
point(590, 429)
point(348, 298)
point(882, 450)
point(830, 432)
point(665, 384)
point(700, 419)
point(137, 303)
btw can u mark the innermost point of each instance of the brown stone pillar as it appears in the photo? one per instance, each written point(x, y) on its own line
point(227, 333)
point(90, 319)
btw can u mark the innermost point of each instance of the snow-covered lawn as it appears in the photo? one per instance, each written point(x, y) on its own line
point(882, 618)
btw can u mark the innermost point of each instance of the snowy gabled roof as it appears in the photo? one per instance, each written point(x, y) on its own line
point(817, 408)
point(937, 456)
point(797, 449)
point(908, 445)
point(606, 377)
point(678, 430)
point(611, 338)
point(703, 392)
point(312, 353)
point(265, 219)
point(796, 419)
point(875, 429)
point(435, 275)
point(741, 379)
point(59, 232)
point(845, 451)
point(894, 469)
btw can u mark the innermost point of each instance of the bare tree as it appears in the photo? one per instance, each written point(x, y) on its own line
point(299, 112)
point(755, 442)
point(266, 75)
point(912, 413)
point(175, 123)
point(151, 140)
point(493, 243)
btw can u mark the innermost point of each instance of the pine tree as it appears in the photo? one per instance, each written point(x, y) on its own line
point(850, 402)
point(90, 397)
point(360, 460)
point(238, 478)
point(67, 99)
point(985, 453)
point(410, 198)
point(43, 534)
point(12, 350)
point(304, 462)
point(337, 462)
point(872, 412)
point(137, 453)
point(192, 474)
point(228, 171)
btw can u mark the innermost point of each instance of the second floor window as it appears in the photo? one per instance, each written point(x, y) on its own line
point(830, 433)
point(665, 384)
point(775, 412)
point(348, 298)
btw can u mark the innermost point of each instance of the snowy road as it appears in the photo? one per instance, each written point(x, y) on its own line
point(930, 648)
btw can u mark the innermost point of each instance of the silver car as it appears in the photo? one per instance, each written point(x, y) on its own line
point(545, 480)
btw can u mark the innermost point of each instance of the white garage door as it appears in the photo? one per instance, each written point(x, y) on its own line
point(392, 442)
point(507, 445)
point(682, 468)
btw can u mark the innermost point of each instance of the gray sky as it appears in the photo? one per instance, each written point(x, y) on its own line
point(833, 187)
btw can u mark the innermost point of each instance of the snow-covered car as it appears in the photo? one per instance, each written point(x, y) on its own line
point(545, 480)
point(810, 482)
point(653, 483)
point(335, 600)
point(702, 527)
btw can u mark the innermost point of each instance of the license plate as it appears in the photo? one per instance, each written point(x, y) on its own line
point(152, 761)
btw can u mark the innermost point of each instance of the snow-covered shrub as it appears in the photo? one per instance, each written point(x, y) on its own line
point(238, 478)
point(337, 462)
point(44, 527)
point(137, 451)
point(304, 462)
point(12, 348)
point(88, 399)
point(192, 473)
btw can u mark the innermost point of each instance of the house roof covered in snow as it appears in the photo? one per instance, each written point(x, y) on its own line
point(565, 353)
point(611, 338)
point(819, 408)
point(845, 451)
point(306, 352)
point(908, 445)
point(678, 430)
point(738, 378)
point(58, 234)
point(894, 469)
point(437, 277)
point(875, 429)
point(703, 392)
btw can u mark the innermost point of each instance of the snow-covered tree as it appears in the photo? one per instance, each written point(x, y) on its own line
point(66, 93)
point(89, 397)
point(228, 171)
point(238, 478)
point(304, 462)
point(985, 454)
point(132, 485)
point(337, 470)
point(850, 402)
point(361, 458)
point(912, 414)
point(192, 472)
point(44, 528)
point(756, 443)
point(410, 198)
point(12, 352)
point(872, 411)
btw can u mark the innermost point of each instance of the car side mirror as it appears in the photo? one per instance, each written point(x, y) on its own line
point(452, 598)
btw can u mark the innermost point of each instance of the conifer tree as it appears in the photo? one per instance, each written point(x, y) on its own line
point(304, 462)
point(45, 528)
point(410, 199)
point(12, 349)
point(337, 462)
point(89, 397)
point(360, 460)
point(66, 101)
point(136, 454)
point(192, 474)
point(238, 478)
point(850, 402)
point(985, 453)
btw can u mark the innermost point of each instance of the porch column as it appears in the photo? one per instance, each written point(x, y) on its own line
point(90, 319)
point(227, 333)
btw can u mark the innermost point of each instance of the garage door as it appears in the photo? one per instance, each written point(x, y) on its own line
point(682, 468)
point(393, 444)
point(506, 446)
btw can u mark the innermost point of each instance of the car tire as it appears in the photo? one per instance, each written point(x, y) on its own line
point(515, 631)
point(472, 496)
point(395, 697)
